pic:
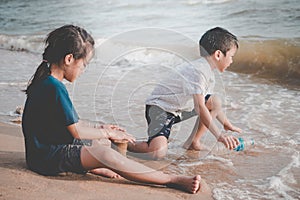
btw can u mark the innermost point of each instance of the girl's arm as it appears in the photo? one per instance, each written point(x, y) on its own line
point(81, 131)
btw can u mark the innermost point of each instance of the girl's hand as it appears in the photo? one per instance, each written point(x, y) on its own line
point(111, 127)
point(118, 134)
point(230, 142)
point(115, 136)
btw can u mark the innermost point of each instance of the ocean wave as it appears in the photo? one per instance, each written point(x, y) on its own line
point(243, 12)
point(196, 2)
point(282, 183)
point(276, 60)
point(13, 83)
point(28, 43)
point(32, 43)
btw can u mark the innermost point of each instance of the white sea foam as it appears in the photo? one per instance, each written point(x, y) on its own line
point(31, 43)
point(285, 173)
point(230, 192)
point(191, 164)
point(277, 187)
point(13, 83)
point(196, 2)
point(227, 162)
point(247, 189)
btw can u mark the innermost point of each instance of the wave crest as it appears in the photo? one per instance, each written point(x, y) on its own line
point(276, 60)
point(21, 43)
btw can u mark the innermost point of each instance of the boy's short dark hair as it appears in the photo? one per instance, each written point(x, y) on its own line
point(217, 39)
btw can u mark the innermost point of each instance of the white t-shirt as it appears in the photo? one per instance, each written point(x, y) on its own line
point(174, 93)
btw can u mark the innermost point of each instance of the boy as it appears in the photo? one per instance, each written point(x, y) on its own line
point(167, 103)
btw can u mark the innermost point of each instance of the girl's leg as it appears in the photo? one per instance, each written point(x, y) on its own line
point(104, 171)
point(98, 156)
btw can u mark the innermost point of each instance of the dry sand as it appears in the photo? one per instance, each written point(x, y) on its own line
point(17, 182)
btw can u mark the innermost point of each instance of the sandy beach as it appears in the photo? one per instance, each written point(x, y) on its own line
point(17, 182)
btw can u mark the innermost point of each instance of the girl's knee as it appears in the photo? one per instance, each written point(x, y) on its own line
point(104, 154)
point(104, 142)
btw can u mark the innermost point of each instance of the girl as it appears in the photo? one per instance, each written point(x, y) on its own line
point(54, 137)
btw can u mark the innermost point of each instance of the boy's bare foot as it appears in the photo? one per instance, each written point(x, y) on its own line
point(186, 183)
point(197, 146)
point(106, 173)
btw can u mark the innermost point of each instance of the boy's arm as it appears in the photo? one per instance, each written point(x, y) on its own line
point(199, 104)
point(222, 118)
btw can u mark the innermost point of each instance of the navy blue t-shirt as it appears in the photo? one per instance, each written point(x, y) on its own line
point(47, 113)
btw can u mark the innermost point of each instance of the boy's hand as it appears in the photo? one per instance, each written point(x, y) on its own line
point(230, 142)
point(230, 127)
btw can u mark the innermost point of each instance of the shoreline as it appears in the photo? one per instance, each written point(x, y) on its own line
point(20, 183)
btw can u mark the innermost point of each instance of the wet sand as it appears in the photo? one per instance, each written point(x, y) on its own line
point(17, 182)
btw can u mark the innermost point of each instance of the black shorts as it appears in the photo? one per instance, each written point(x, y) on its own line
point(160, 122)
point(70, 157)
point(51, 160)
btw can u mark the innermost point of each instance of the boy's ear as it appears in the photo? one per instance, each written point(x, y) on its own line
point(218, 55)
point(69, 59)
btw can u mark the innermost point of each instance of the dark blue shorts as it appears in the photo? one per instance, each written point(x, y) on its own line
point(70, 157)
point(51, 160)
point(160, 122)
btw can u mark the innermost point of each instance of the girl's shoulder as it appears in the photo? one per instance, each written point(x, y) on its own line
point(54, 84)
point(51, 81)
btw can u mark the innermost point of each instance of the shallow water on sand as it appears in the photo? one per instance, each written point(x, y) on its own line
point(266, 112)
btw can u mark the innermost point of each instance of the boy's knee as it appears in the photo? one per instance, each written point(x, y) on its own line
point(214, 103)
point(158, 148)
point(158, 154)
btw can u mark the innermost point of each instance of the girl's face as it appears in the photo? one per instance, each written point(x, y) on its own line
point(75, 70)
point(76, 67)
point(225, 61)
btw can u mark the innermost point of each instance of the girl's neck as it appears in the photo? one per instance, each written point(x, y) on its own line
point(57, 72)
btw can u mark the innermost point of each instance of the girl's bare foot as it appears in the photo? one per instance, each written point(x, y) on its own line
point(186, 183)
point(106, 173)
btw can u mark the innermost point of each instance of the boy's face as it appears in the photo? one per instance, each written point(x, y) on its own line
point(225, 61)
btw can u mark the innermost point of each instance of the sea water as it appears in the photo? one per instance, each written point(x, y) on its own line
point(139, 43)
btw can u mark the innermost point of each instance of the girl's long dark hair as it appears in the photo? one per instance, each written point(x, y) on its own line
point(68, 39)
